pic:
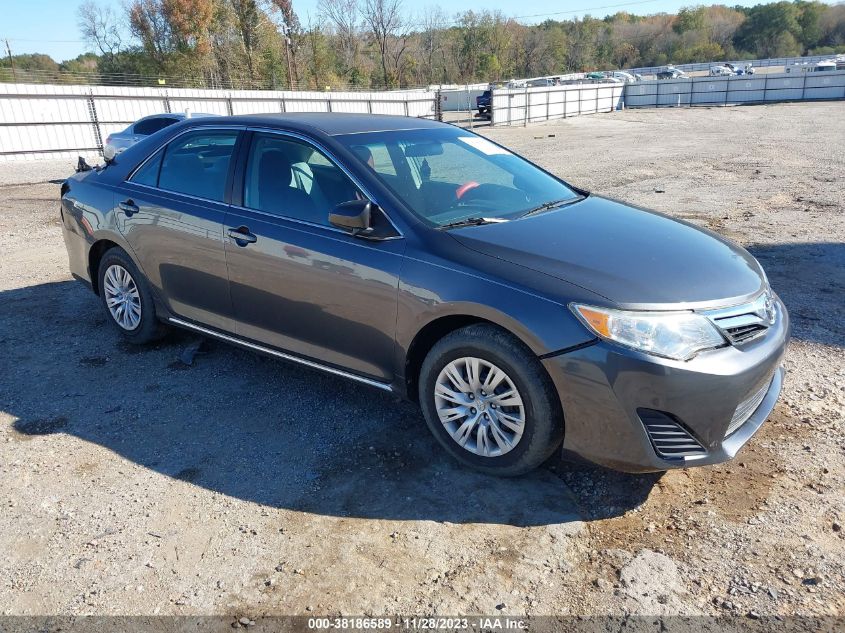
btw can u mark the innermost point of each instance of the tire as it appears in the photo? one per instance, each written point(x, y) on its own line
point(133, 291)
point(542, 420)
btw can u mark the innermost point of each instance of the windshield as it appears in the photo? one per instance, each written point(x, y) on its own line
point(446, 175)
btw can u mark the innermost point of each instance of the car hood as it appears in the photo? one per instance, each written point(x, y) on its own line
point(633, 257)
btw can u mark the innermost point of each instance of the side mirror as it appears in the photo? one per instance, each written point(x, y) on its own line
point(353, 215)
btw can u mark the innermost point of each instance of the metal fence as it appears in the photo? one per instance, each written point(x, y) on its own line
point(63, 121)
point(522, 106)
point(712, 91)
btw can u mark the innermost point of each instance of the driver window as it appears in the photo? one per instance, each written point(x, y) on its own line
point(290, 178)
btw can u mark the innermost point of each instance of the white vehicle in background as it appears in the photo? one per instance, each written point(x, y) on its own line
point(142, 128)
point(721, 71)
point(623, 76)
point(826, 65)
point(670, 72)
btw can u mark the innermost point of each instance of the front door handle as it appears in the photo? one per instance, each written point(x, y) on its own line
point(128, 207)
point(242, 236)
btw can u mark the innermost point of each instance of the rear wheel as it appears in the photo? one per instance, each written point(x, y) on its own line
point(489, 402)
point(127, 299)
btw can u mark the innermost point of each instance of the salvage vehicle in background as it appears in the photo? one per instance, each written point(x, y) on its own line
point(142, 128)
point(624, 76)
point(484, 104)
point(670, 72)
point(721, 71)
point(522, 313)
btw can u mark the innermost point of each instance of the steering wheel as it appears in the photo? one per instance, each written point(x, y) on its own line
point(467, 186)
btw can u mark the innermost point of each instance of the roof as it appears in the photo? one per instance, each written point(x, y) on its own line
point(331, 123)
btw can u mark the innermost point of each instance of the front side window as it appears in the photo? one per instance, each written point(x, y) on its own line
point(290, 178)
point(197, 164)
point(445, 175)
point(151, 126)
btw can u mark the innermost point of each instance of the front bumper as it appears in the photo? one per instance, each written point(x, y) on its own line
point(605, 389)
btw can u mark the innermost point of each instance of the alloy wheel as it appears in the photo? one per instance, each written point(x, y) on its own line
point(122, 297)
point(479, 406)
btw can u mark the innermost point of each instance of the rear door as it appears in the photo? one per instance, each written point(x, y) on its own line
point(299, 284)
point(171, 211)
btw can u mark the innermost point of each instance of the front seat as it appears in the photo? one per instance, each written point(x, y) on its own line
point(275, 194)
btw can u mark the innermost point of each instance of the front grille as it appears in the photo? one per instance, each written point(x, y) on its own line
point(743, 333)
point(743, 323)
point(748, 406)
point(669, 438)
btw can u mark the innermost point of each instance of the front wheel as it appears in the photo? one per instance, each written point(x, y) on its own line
point(489, 402)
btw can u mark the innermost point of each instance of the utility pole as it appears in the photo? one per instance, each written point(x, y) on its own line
point(287, 55)
point(11, 61)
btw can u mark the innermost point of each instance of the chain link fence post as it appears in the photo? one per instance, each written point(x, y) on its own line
point(95, 122)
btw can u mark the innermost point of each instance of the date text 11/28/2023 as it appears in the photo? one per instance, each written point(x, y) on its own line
point(413, 623)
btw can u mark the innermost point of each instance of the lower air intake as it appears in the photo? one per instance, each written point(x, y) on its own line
point(748, 406)
point(669, 438)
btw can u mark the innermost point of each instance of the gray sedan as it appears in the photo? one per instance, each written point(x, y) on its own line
point(521, 312)
point(142, 128)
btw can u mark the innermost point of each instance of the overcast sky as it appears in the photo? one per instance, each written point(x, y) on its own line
point(49, 26)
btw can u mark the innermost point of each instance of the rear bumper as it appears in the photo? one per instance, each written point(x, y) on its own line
point(78, 245)
point(604, 389)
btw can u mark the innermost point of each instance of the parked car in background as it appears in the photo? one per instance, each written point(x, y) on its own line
point(542, 82)
point(825, 66)
point(429, 262)
point(721, 71)
point(670, 72)
point(626, 77)
point(142, 128)
point(484, 104)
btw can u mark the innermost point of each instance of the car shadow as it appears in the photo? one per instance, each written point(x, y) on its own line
point(284, 436)
point(255, 428)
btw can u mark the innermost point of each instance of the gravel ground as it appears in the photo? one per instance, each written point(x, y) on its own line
point(134, 483)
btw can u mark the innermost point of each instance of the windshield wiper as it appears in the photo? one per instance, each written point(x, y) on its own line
point(551, 205)
point(472, 221)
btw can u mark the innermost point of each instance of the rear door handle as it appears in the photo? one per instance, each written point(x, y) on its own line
point(128, 207)
point(242, 236)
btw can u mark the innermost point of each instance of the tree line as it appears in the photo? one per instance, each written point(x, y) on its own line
point(382, 43)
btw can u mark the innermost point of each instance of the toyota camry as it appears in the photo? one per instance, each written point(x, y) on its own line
point(521, 312)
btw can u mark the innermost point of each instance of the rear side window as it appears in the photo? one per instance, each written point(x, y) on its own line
point(148, 174)
point(151, 126)
point(197, 164)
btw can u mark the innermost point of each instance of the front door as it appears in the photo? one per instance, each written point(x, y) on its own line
point(299, 284)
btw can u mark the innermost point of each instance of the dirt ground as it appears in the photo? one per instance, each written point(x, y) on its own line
point(133, 483)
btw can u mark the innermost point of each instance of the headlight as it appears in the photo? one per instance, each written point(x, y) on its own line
point(678, 335)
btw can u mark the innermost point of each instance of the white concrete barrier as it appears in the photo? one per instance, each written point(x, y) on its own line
point(530, 105)
point(38, 120)
point(735, 90)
